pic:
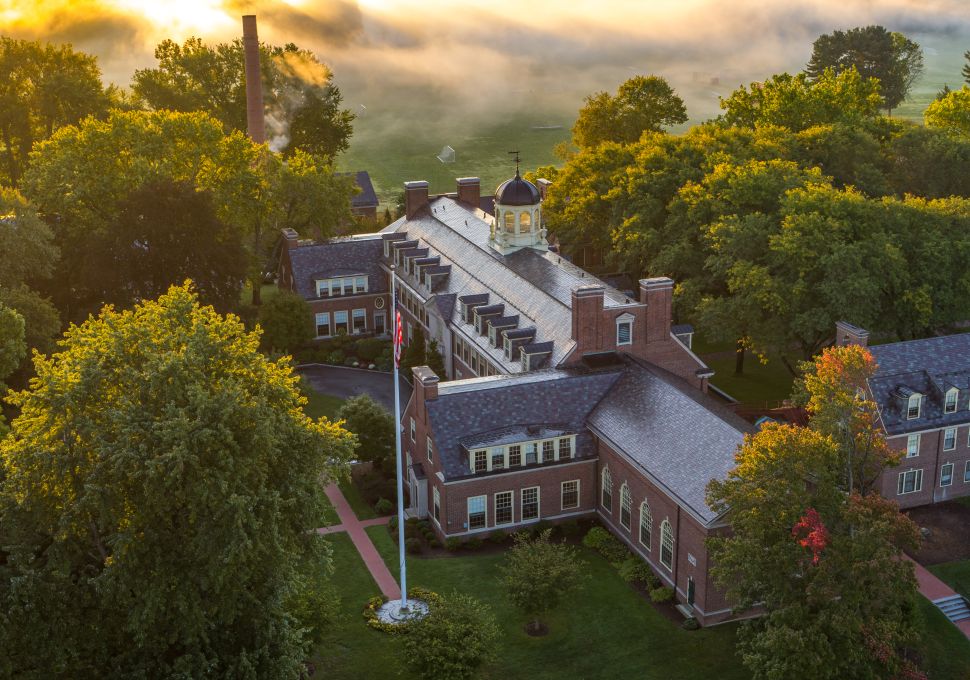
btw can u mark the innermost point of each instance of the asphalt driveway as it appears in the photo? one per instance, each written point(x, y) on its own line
point(344, 383)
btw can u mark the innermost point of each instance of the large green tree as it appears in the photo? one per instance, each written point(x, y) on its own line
point(951, 113)
point(302, 103)
point(641, 104)
point(374, 427)
point(44, 86)
point(157, 498)
point(12, 345)
point(892, 58)
point(453, 641)
point(287, 322)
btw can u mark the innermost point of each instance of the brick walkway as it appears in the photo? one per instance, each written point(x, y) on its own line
point(933, 588)
point(355, 529)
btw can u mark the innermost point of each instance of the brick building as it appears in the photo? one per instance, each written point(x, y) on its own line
point(922, 388)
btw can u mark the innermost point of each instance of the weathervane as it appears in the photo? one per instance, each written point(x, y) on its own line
point(516, 153)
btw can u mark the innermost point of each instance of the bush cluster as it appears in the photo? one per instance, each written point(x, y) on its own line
point(662, 594)
point(606, 544)
point(349, 350)
point(375, 603)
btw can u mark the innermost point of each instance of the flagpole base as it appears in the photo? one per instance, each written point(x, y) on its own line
point(392, 611)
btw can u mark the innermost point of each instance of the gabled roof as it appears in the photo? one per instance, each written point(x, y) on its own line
point(930, 366)
point(344, 257)
point(676, 434)
point(367, 198)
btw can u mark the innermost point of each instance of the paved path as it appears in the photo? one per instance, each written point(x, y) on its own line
point(355, 529)
point(933, 588)
point(344, 383)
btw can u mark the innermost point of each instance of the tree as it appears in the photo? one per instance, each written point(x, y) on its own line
point(12, 345)
point(44, 87)
point(453, 641)
point(41, 324)
point(891, 58)
point(416, 352)
point(951, 113)
point(560, 571)
point(642, 103)
point(302, 102)
point(27, 250)
point(821, 557)
point(797, 102)
point(436, 362)
point(156, 496)
point(287, 322)
point(166, 232)
point(374, 428)
point(965, 71)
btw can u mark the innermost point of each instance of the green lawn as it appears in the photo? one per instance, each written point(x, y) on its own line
point(361, 508)
point(946, 650)
point(322, 405)
point(954, 574)
point(759, 384)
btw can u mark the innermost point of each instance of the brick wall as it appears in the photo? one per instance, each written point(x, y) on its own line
point(374, 303)
point(930, 460)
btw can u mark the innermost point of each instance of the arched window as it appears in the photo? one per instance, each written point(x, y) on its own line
point(509, 222)
point(646, 525)
point(525, 223)
point(606, 495)
point(666, 545)
point(626, 502)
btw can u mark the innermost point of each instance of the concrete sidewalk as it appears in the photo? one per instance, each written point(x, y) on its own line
point(933, 589)
point(355, 529)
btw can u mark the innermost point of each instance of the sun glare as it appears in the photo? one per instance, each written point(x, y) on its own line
point(180, 16)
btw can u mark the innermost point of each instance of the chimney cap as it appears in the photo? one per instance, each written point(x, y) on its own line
point(589, 290)
point(657, 282)
point(425, 375)
point(852, 328)
point(416, 184)
point(290, 234)
point(462, 181)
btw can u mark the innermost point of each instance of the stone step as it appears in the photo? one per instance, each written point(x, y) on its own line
point(955, 608)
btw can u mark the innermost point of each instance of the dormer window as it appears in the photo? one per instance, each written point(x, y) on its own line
point(624, 329)
point(950, 405)
point(913, 408)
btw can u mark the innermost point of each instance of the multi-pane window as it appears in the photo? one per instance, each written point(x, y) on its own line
point(912, 446)
point(339, 322)
point(565, 448)
point(950, 405)
point(323, 324)
point(498, 458)
point(476, 512)
point(946, 474)
point(348, 286)
point(481, 461)
point(666, 545)
point(624, 333)
point(530, 503)
point(360, 284)
point(966, 473)
point(437, 505)
point(503, 508)
point(430, 450)
point(646, 525)
point(413, 428)
point(912, 410)
point(570, 494)
point(909, 482)
point(508, 348)
point(379, 320)
point(606, 490)
point(360, 320)
point(515, 456)
point(531, 453)
point(626, 503)
point(949, 439)
point(548, 451)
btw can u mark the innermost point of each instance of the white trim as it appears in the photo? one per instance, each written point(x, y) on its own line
point(909, 438)
point(522, 491)
point(668, 532)
point(625, 494)
point(436, 503)
point(511, 493)
point(661, 572)
point(956, 400)
point(518, 471)
point(943, 467)
point(468, 513)
point(487, 529)
point(901, 482)
point(649, 547)
point(966, 473)
point(562, 491)
point(953, 443)
point(919, 406)
point(604, 475)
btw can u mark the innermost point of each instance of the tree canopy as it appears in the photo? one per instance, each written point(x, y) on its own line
point(453, 641)
point(951, 113)
point(642, 103)
point(374, 427)
point(12, 345)
point(287, 322)
point(891, 58)
point(301, 101)
point(156, 498)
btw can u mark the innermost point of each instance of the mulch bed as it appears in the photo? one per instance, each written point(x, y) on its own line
point(949, 535)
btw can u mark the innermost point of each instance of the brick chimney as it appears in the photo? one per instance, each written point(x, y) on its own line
point(415, 197)
point(290, 238)
point(255, 122)
point(587, 308)
point(658, 294)
point(469, 190)
point(543, 185)
point(849, 334)
point(425, 390)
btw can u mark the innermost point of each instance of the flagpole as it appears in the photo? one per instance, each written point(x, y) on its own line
point(397, 441)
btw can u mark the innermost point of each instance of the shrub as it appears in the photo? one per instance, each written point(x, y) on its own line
point(498, 537)
point(286, 321)
point(453, 641)
point(412, 545)
point(690, 623)
point(635, 570)
point(452, 544)
point(336, 357)
point(595, 537)
point(571, 528)
point(350, 361)
point(384, 507)
point(606, 544)
point(540, 527)
point(392, 523)
point(368, 349)
point(662, 594)
point(473, 543)
point(434, 543)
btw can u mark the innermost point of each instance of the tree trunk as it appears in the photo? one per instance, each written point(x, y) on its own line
point(739, 357)
point(257, 285)
point(791, 369)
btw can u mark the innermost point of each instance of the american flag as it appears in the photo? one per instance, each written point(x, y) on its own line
point(398, 337)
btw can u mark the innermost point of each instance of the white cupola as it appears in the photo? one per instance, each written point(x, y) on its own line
point(518, 217)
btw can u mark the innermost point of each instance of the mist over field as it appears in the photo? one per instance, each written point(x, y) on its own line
point(480, 75)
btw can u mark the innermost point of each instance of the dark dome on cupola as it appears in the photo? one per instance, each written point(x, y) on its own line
point(517, 191)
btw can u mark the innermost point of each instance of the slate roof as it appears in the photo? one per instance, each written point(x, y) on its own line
point(367, 197)
point(355, 255)
point(483, 408)
point(676, 434)
point(930, 366)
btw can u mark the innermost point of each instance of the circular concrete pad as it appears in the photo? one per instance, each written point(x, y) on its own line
point(391, 612)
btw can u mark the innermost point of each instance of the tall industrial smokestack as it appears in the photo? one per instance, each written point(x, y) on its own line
point(254, 81)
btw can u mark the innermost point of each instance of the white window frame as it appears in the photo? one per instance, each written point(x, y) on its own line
point(522, 517)
point(383, 324)
point(436, 508)
point(917, 482)
point(562, 495)
point(550, 446)
point(413, 429)
point(498, 451)
point(628, 322)
point(943, 474)
point(909, 406)
point(474, 459)
point(912, 446)
point(468, 512)
point(355, 314)
point(948, 405)
point(606, 477)
point(317, 324)
point(511, 508)
point(345, 322)
point(966, 473)
point(363, 287)
point(626, 505)
point(645, 513)
point(568, 441)
point(519, 453)
point(949, 439)
point(666, 544)
point(430, 450)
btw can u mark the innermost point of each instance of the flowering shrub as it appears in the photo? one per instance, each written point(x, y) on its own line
point(373, 604)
